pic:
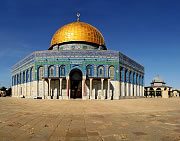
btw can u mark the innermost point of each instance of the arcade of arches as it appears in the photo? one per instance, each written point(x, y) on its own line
point(76, 85)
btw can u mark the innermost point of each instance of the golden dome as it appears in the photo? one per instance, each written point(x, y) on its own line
point(77, 31)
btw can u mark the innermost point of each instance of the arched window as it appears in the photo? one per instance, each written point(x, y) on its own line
point(32, 74)
point(134, 78)
point(27, 76)
point(62, 70)
point(142, 81)
point(51, 71)
point(89, 70)
point(112, 72)
point(137, 79)
point(101, 71)
point(158, 92)
point(130, 77)
point(17, 79)
point(121, 74)
point(151, 92)
point(20, 78)
point(40, 72)
point(126, 76)
point(24, 77)
point(12, 80)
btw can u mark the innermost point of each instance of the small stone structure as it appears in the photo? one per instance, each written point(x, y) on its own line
point(176, 93)
point(158, 88)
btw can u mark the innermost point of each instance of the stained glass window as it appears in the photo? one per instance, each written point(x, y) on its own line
point(51, 71)
point(89, 70)
point(112, 72)
point(32, 74)
point(101, 71)
point(62, 70)
point(23, 77)
point(40, 72)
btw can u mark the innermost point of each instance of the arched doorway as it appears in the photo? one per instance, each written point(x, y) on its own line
point(152, 92)
point(158, 92)
point(76, 83)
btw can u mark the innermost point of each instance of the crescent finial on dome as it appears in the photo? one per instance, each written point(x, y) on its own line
point(78, 15)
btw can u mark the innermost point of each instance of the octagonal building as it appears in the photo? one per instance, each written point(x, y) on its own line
point(77, 65)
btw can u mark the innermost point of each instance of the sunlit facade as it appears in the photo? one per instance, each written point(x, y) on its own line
point(77, 65)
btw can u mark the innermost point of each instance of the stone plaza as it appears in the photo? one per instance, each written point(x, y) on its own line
point(143, 119)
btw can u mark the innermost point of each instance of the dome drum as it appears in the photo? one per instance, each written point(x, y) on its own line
point(78, 32)
point(77, 45)
point(158, 79)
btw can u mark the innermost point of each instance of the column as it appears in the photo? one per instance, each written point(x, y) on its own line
point(131, 89)
point(55, 91)
point(139, 90)
point(60, 87)
point(25, 85)
point(12, 90)
point(67, 88)
point(90, 91)
point(122, 89)
point(148, 92)
point(126, 82)
point(127, 89)
point(30, 87)
point(135, 91)
point(49, 89)
point(136, 85)
point(116, 94)
point(37, 88)
point(83, 88)
point(102, 89)
point(17, 89)
point(21, 91)
point(108, 90)
point(122, 79)
point(43, 90)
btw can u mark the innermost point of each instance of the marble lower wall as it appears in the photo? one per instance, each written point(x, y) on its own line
point(40, 89)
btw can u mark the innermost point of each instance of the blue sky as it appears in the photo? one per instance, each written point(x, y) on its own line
point(147, 31)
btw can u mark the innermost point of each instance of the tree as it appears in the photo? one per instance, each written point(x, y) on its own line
point(8, 92)
point(3, 88)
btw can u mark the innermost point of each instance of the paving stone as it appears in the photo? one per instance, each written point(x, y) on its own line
point(94, 138)
point(81, 120)
point(93, 133)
